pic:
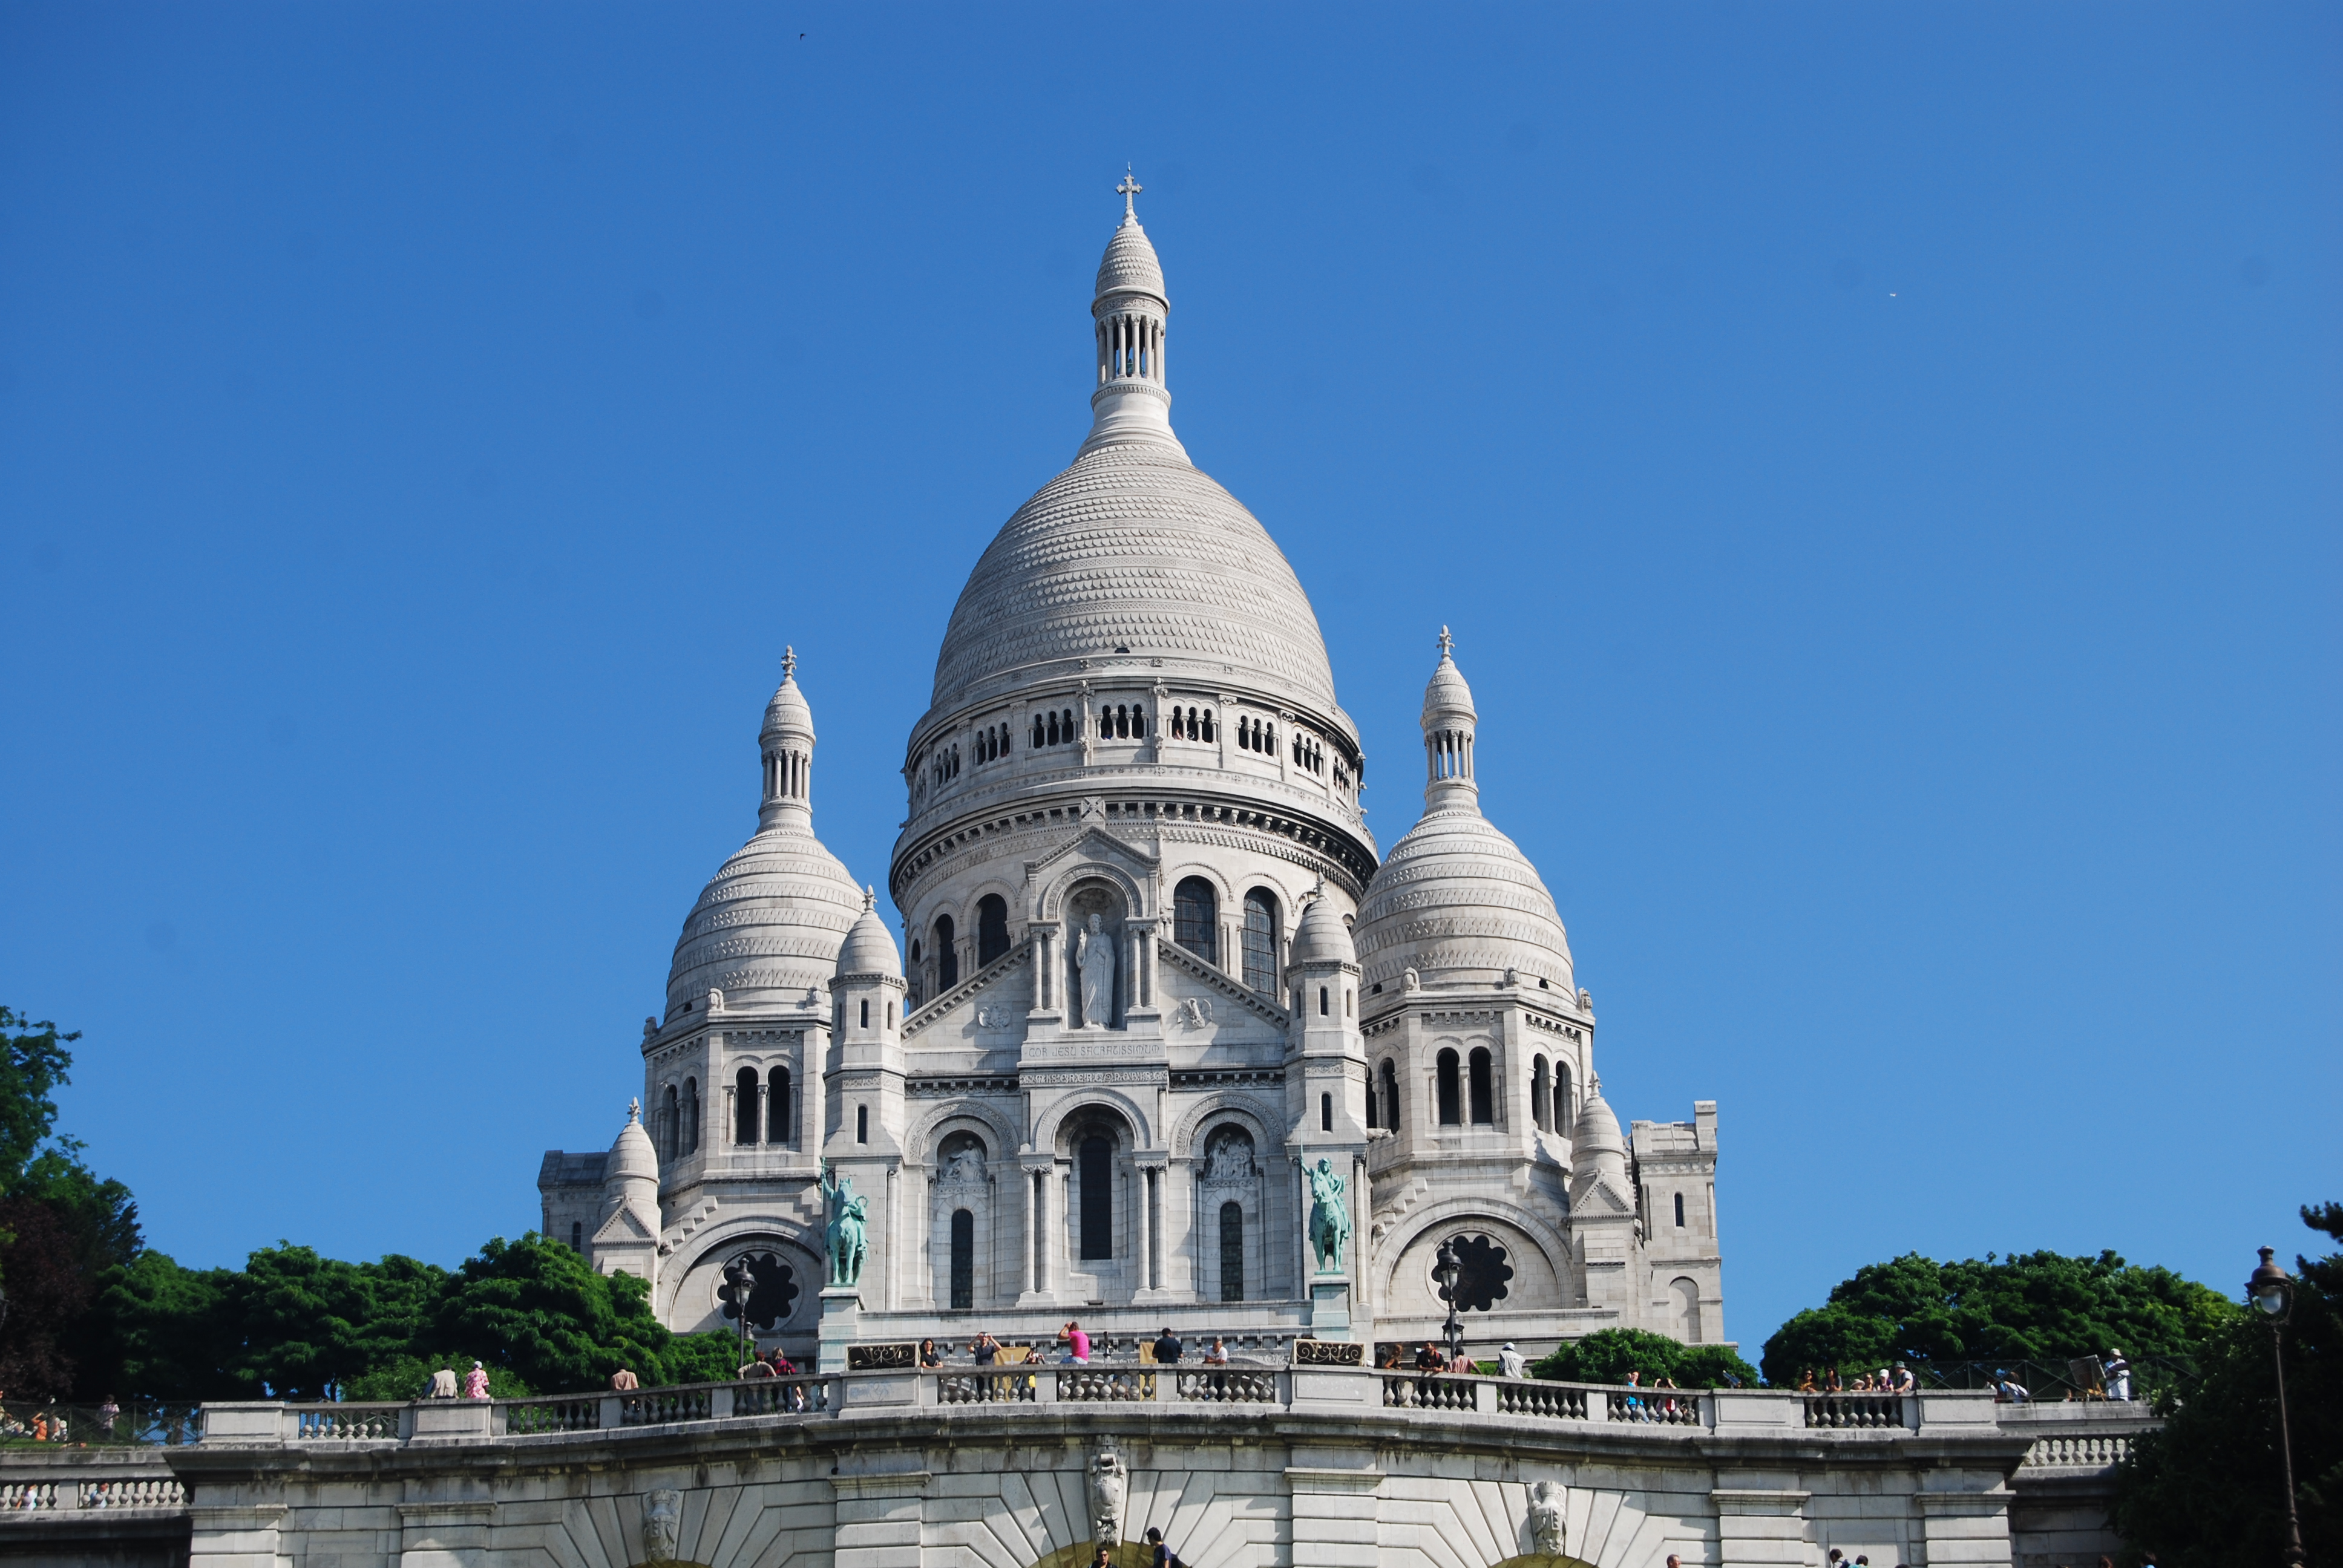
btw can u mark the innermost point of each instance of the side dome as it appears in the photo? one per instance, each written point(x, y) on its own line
point(1322, 937)
point(1457, 901)
point(767, 927)
point(631, 1154)
point(1460, 904)
point(1134, 550)
point(869, 947)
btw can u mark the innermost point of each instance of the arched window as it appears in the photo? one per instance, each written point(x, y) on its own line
point(744, 1106)
point(1065, 723)
point(1097, 1176)
point(1450, 1112)
point(671, 1123)
point(963, 1261)
point(1391, 1095)
point(992, 927)
point(1537, 1092)
point(1373, 1108)
point(1565, 1114)
point(691, 1115)
point(1261, 940)
point(1208, 724)
point(866, 1012)
point(777, 1124)
point(1232, 1251)
point(577, 1235)
point(1326, 1124)
point(947, 955)
point(1037, 732)
point(1484, 1106)
point(1052, 739)
point(1138, 722)
point(1195, 918)
point(862, 1124)
point(1679, 1210)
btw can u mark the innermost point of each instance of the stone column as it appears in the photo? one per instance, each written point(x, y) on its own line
point(1033, 1235)
point(1966, 1528)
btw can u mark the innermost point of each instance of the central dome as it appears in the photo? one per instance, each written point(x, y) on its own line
point(1132, 551)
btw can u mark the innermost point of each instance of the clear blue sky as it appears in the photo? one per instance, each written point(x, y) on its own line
point(1880, 463)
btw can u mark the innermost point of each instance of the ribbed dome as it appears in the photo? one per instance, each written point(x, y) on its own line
point(1460, 904)
point(869, 947)
point(1322, 937)
point(1446, 695)
point(631, 1154)
point(1598, 1128)
point(1129, 263)
point(768, 925)
point(1132, 548)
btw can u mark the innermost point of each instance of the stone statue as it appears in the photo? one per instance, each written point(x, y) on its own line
point(1195, 1012)
point(964, 1165)
point(845, 1230)
point(1546, 1498)
point(1330, 1217)
point(662, 1513)
point(1108, 1481)
point(1094, 957)
point(1229, 1158)
point(1411, 980)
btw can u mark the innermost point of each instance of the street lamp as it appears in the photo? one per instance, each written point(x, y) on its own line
point(1445, 1268)
point(2271, 1289)
point(739, 1284)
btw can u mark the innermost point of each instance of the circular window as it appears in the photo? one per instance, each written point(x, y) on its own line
point(1480, 1273)
point(772, 1292)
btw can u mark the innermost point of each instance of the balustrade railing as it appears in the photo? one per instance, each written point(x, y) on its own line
point(1556, 1401)
point(1227, 1387)
point(17, 1496)
point(1853, 1409)
point(985, 1388)
point(1429, 1393)
point(781, 1396)
point(98, 1427)
point(146, 1492)
point(2092, 1452)
point(345, 1422)
point(1655, 1407)
point(1096, 1384)
point(665, 1406)
point(527, 1417)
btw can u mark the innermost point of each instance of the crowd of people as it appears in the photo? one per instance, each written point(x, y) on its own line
point(1898, 1379)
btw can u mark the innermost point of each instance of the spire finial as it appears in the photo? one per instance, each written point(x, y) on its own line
point(1129, 188)
point(634, 1111)
point(869, 898)
point(788, 662)
point(1446, 642)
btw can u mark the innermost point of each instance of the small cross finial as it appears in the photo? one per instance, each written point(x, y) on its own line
point(634, 1110)
point(1129, 188)
point(788, 662)
point(1446, 642)
point(869, 898)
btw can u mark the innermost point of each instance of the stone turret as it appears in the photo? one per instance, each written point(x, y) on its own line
point(626, 1240)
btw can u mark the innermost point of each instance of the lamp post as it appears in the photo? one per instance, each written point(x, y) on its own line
point(2271, 1289)
point(1445, 1270)
point(740, 1283)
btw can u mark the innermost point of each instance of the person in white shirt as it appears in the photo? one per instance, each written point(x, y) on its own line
point(1510, 1363)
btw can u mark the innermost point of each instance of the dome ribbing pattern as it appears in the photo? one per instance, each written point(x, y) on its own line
point(1133, 548)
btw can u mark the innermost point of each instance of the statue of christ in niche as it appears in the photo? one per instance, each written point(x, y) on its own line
point(1094, 957)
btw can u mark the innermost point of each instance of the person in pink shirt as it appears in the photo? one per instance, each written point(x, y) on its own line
point(475, 1382)
point(1077, 1343)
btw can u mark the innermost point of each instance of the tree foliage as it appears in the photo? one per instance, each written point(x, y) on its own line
point(2037, 1306)
point(1608, 1355)
point(2208, 1490)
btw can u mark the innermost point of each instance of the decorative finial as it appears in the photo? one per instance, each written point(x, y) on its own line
point(1129, 188)
point(869, 898)
point(788, 662)
point(634, 1111)
point(1446, 642)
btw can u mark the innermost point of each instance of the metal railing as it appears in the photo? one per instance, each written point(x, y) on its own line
point(139, 1424)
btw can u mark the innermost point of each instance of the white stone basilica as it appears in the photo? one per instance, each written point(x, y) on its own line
point(1157, 974)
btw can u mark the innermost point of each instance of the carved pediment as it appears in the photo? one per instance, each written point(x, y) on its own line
point(1095, 843)
point(623, 1227)
point(1174, 960)
point(963, 1001)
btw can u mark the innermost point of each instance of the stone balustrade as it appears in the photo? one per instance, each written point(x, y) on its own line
point(1663, 1414)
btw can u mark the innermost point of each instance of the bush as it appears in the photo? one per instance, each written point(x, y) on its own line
point(1608, 1355)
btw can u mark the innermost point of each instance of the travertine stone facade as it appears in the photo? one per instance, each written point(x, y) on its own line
point(1087, 1080)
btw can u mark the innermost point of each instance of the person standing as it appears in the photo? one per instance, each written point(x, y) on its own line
point(624, 1380)
point(1510, 1362)
point(1077, 1343)
point(475, 1382)
point(2118, 1373)
point(1159, 1555)
point(1168, 1347)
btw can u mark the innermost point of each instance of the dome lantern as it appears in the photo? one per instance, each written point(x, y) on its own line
point(786, 743)
point(1131, 403)
point(1449, 722)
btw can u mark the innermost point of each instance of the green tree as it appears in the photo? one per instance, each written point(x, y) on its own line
point(2208, 1490)
point(1608, 1355)
point(2039, 1306)
point(33, 1062)
point(538, 1310)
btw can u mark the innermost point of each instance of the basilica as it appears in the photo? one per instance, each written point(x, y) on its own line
point(1154, 976)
